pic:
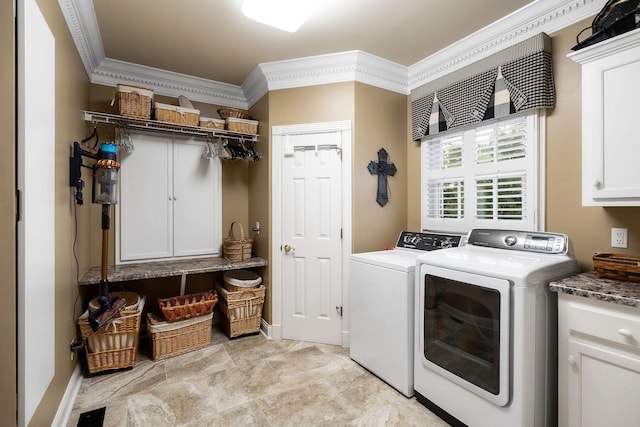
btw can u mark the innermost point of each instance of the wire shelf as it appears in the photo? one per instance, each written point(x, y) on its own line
point(156, 126)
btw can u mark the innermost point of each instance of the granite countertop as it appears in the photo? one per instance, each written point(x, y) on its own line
point(589, 285)
point(157, 269)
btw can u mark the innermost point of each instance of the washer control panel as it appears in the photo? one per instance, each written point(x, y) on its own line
point(530, 241)
point(428, 241)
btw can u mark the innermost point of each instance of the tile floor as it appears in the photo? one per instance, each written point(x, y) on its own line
point(249, 381)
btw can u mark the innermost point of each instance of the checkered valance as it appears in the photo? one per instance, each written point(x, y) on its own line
point(515, 79)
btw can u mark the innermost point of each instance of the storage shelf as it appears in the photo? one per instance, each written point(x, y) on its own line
point(156, 126)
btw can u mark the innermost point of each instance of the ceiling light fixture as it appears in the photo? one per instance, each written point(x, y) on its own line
point(286, 15)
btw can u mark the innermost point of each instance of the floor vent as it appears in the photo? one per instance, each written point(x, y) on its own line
point(93, 418)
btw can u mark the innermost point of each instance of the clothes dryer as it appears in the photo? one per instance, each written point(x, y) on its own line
point(486, 325)
point(381, 304)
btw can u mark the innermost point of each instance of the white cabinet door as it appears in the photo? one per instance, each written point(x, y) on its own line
point(145, 219)
point(603, 386)
point(610, 106)
point(170, 200)
point(196, 207)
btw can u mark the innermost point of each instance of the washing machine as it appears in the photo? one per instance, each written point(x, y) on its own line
point(486, 328)
point(381, 306)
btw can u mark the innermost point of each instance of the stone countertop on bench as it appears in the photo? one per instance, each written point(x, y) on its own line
point(170, 268)
point(589, 285)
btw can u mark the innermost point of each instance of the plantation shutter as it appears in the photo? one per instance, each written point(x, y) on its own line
point(481, 178)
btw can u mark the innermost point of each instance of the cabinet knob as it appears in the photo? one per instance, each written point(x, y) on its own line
point(625, 332)
point(571, 359)
point(597, 183)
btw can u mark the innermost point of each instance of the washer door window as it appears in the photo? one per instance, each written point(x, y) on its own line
point(466, 330)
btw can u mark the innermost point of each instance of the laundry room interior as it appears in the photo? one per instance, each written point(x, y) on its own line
point(407, 213)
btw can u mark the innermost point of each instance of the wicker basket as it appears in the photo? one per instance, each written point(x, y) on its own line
point(242, 125)
point(236, 248)
point(242, 310)
point(233, 112)
point(209, 123)
point(115, 344)
point(170, 339)
point(134, 101)
point(239, 280)
point(175, 114)
point(617, 266)
point(187, 306)
point(132, 300)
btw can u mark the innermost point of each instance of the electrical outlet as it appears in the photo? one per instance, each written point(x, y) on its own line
point(619, 238)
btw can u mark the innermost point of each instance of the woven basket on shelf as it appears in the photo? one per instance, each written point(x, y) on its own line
point(233, 112)
point(187, 306)
point(236, 248)
point(170, 339)
point(134, 101)
point(242, 125)
point(210, 123)
point(617, 266)
point(175, 114)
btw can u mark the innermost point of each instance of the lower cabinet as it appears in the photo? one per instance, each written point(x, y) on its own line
point(598, 363)
point(170, 200)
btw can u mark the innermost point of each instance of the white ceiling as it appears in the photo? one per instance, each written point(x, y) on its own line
point(209, 50)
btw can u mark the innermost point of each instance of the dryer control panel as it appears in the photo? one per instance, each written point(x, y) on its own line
point(530, 241)
point(428, 241)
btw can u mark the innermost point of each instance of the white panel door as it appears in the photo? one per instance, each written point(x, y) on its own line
point(36, 229)
point(311, 227)
point(146, 199)
point(195, 201)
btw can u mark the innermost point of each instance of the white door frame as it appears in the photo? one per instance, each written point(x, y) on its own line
point(277, 151)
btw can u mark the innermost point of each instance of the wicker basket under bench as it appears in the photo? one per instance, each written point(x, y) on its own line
point(115, 344)
point(242, 310)
point(170, 339)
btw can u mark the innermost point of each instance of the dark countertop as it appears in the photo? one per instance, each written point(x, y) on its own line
point(589, 285)
point(157, 269)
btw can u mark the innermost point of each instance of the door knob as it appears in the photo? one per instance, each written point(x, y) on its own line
point(288, 248)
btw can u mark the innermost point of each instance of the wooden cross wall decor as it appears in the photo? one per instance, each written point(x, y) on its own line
point(383, 169)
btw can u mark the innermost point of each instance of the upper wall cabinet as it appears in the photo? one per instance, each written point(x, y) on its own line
point(611, 121)
point(170, 201)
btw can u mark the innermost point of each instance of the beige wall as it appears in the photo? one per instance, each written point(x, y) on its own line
point(588, 227)
point(380, 118)
point(8, 401)
point(260, 197)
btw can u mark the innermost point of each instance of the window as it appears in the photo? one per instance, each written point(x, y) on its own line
point(483, 177)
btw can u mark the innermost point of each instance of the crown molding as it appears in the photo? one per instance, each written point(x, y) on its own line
point(111, 72)
point(545, 16)
point(334, 68)
point(606, 48)
point(540, 16)
point(83, 26)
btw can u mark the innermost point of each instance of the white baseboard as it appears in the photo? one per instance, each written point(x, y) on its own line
point(346, 339)
point(66, 404)
point(265, 329)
